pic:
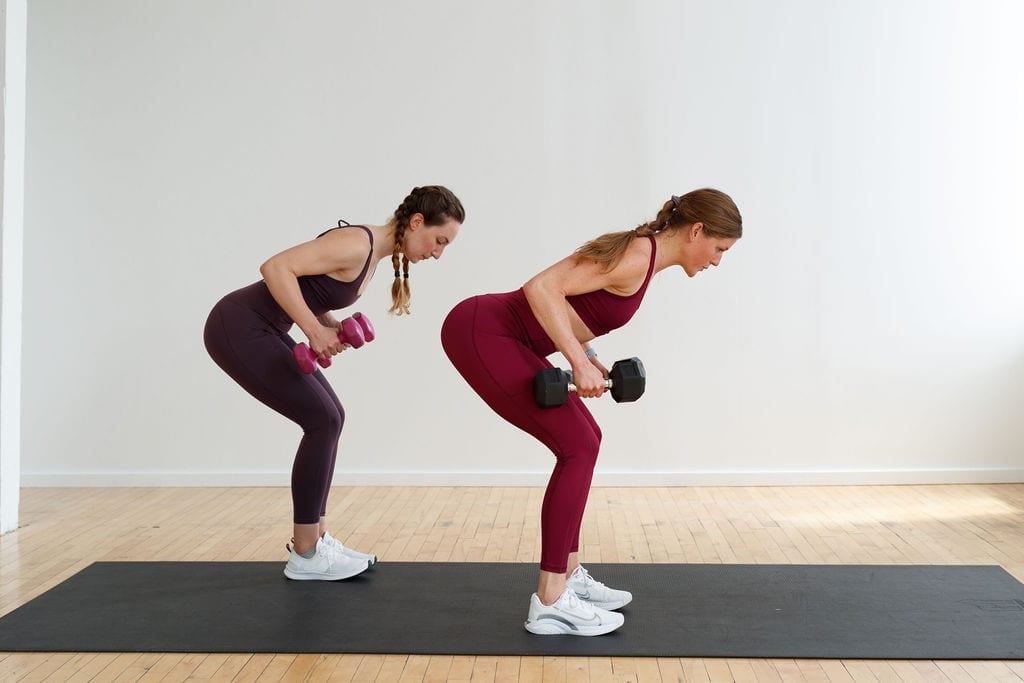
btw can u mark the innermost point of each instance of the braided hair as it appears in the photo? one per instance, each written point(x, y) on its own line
point(713, 208)
point(437, 205)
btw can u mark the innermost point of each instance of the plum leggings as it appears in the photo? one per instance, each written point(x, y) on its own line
point(260, 359)
point(490, 346)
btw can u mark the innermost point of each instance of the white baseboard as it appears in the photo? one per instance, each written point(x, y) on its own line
point(601, 478)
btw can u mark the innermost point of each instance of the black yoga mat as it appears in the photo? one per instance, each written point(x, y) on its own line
point(693, 610)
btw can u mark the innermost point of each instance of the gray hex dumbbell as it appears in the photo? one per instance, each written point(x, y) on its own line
point(626, 381)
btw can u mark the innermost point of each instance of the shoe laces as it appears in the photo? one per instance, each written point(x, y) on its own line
point(586, 578)
point(573, 604)
point(335, 549)
point(571, 600)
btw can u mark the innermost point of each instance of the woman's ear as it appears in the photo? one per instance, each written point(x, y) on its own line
point(415, 221)
point(695, 230)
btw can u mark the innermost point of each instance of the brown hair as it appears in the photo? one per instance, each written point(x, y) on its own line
point(438, 205)
point(713, 208)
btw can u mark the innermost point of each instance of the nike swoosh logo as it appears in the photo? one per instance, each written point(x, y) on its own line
point(568, 623)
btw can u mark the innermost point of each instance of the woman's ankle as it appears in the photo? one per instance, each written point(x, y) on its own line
point(304, 537)
point(550, 587)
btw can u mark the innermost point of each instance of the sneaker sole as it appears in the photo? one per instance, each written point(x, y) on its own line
point(304, 576)
point(551, 628)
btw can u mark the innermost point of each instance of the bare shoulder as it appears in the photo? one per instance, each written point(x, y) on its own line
point(350, 247)
point(638, 254)
point(351, 237)
point(340, 253)
point(578, 275)
point(628, 274)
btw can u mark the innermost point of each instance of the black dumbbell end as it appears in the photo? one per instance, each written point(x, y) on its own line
point(551, 387)
point(629, 380)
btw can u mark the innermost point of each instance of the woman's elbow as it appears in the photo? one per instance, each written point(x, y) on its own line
point(533, 289)
point(540, 289)
point(268, 267)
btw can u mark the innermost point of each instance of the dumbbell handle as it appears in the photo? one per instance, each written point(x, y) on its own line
point(355, 330)
point(607, 385)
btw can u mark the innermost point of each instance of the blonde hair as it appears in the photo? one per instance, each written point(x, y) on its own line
point(715, 209)
point(437, 205)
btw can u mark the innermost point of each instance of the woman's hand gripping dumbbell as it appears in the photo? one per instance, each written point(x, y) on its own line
point(354, 331)
point(626, 381)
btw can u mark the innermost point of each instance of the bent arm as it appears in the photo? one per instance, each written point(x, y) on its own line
point(339, 252)
point(547, 294)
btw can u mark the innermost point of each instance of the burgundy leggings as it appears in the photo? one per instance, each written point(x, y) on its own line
point(496, 344)
point(260, 359)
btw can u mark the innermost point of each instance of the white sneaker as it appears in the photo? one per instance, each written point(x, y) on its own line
point(570, 616)
point(338, 546)
point(325, 565)
point(589, 589)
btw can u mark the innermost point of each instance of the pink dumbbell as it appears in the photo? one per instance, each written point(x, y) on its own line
point(356, 331)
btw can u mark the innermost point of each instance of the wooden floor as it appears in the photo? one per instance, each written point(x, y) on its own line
point(64, 530)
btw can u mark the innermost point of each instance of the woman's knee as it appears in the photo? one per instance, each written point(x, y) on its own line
point(330, 419)
point(581, 449)
point(335, 420)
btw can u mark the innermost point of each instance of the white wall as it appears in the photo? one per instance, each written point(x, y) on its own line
point(868, 327)
point(12, 214)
